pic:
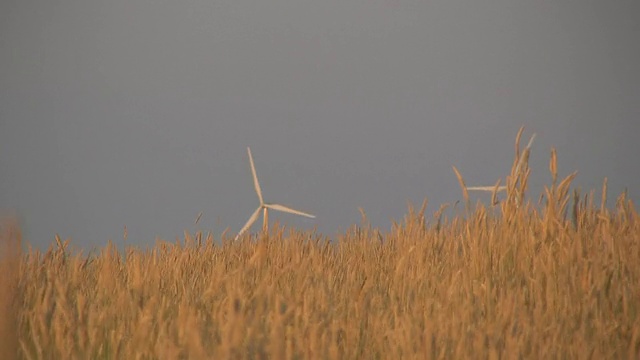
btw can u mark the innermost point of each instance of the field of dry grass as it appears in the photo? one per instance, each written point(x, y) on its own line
point(555, 278)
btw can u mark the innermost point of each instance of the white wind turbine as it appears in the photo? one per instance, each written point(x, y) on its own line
point(497, 187)
point(264, 206)
point(494, 189)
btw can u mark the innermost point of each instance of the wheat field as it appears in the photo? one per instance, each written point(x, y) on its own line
point(558, 277)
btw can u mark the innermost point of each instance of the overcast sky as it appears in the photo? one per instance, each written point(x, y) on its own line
point(139, 112)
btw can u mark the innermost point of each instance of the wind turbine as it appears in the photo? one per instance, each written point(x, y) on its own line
point(494, 189)
point(265, 206)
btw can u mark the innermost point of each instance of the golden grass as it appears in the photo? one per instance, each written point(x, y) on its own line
point(10, 243)
point(514, 281)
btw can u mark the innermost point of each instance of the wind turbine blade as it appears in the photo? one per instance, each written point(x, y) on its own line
point(288, 210)
point(486, 188)
point(256, 184)
point(250, 222)
point(265, 220)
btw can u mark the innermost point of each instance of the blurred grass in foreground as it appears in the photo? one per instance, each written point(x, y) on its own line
point(560, 279)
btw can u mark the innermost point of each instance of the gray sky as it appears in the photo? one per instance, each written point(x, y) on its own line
point(139, 112)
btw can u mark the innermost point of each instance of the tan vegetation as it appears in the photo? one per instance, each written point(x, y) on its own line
point(10, 243)
point(558, 279)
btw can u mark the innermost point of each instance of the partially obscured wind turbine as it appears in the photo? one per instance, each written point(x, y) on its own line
point(511, 181)
point(497, 187)
point(264, 206)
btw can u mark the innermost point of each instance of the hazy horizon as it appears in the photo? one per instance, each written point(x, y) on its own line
point(139, 113)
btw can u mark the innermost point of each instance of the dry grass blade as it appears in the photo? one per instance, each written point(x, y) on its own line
point(530, 143)
point(465, 193)
point(59, 242)
point(603, 203)
point(553, 166)
point(363, 215)
point(423, 208)
point(494, 194)
point(517, 144)
point(563, 187)
point(524, 156)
